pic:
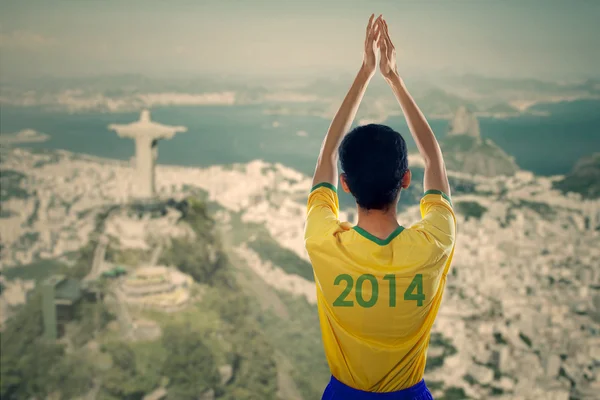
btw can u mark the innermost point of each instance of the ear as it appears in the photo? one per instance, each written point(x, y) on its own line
point(405, 183)
point(344, 182)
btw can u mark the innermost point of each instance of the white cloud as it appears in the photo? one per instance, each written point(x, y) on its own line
point(24, 136)
point(28, 40)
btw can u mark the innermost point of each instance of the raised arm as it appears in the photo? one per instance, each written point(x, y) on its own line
point(326, 169)
point(435, 169)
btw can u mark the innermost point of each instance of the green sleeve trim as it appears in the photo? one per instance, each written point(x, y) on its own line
point(323, 184)
point(434, 191)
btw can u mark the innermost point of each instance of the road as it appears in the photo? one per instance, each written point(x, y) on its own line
point(98, 264)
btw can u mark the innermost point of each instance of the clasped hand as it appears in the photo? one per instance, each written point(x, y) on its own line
point(378, 38)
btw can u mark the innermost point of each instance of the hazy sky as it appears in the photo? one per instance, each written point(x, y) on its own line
point(521, 38)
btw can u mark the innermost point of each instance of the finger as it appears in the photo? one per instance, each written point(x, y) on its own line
point(376, 34)
point(389, 46)
point(374, 27)
point(373, 36)
point(379, 19)
point(381, 31)
point(384, 27)
point(369, 25)
point(369, 28)
point(387, 34)
point(382, 45)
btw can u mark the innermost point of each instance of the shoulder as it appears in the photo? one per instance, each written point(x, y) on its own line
point(437, 226)
point(434, 199)
point(328, 237)
point(322, 211)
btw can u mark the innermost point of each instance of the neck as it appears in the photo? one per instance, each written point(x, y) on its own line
point(377, 222)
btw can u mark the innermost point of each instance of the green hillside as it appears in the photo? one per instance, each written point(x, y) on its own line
point(584, 178)
point(217, 329)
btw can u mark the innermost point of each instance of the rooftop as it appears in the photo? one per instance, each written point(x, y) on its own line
point(65, 288)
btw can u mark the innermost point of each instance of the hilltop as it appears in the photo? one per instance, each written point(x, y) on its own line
point(208, 349)
point(584, 178)
point(465, 150)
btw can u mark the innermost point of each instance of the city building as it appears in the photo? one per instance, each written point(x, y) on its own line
point(60, 296)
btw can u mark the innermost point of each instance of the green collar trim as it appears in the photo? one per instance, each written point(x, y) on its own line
point(375, 239)
point(323, 184)
point(433, 191)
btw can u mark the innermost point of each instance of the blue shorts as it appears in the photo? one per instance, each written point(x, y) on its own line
point(336, 390)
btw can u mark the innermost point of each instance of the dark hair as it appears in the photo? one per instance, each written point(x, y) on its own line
point(374, 159)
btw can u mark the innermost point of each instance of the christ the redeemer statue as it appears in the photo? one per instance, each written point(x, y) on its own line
point(146, 134)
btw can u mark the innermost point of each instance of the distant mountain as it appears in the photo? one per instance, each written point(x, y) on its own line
point(519, 94)
point(465, 150)
point(578, 108)
point(438, 98)
point(501, 109)
point(584, 178)
point(486, 84)
point(464, 123)
point(437, 103)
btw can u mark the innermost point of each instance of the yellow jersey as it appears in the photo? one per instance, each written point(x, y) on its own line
point(378, 298)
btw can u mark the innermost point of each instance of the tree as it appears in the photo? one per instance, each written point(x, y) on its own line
point(22, 330)
point(90, 317)
point(74, 375)
point(32, 367)
point(255, 369)
point(124, 380)
point(190, 364)
point(38, 369)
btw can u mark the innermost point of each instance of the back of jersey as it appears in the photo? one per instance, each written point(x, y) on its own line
point(378, 298)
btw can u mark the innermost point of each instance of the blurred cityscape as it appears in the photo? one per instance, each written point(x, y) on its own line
point(151, 228)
